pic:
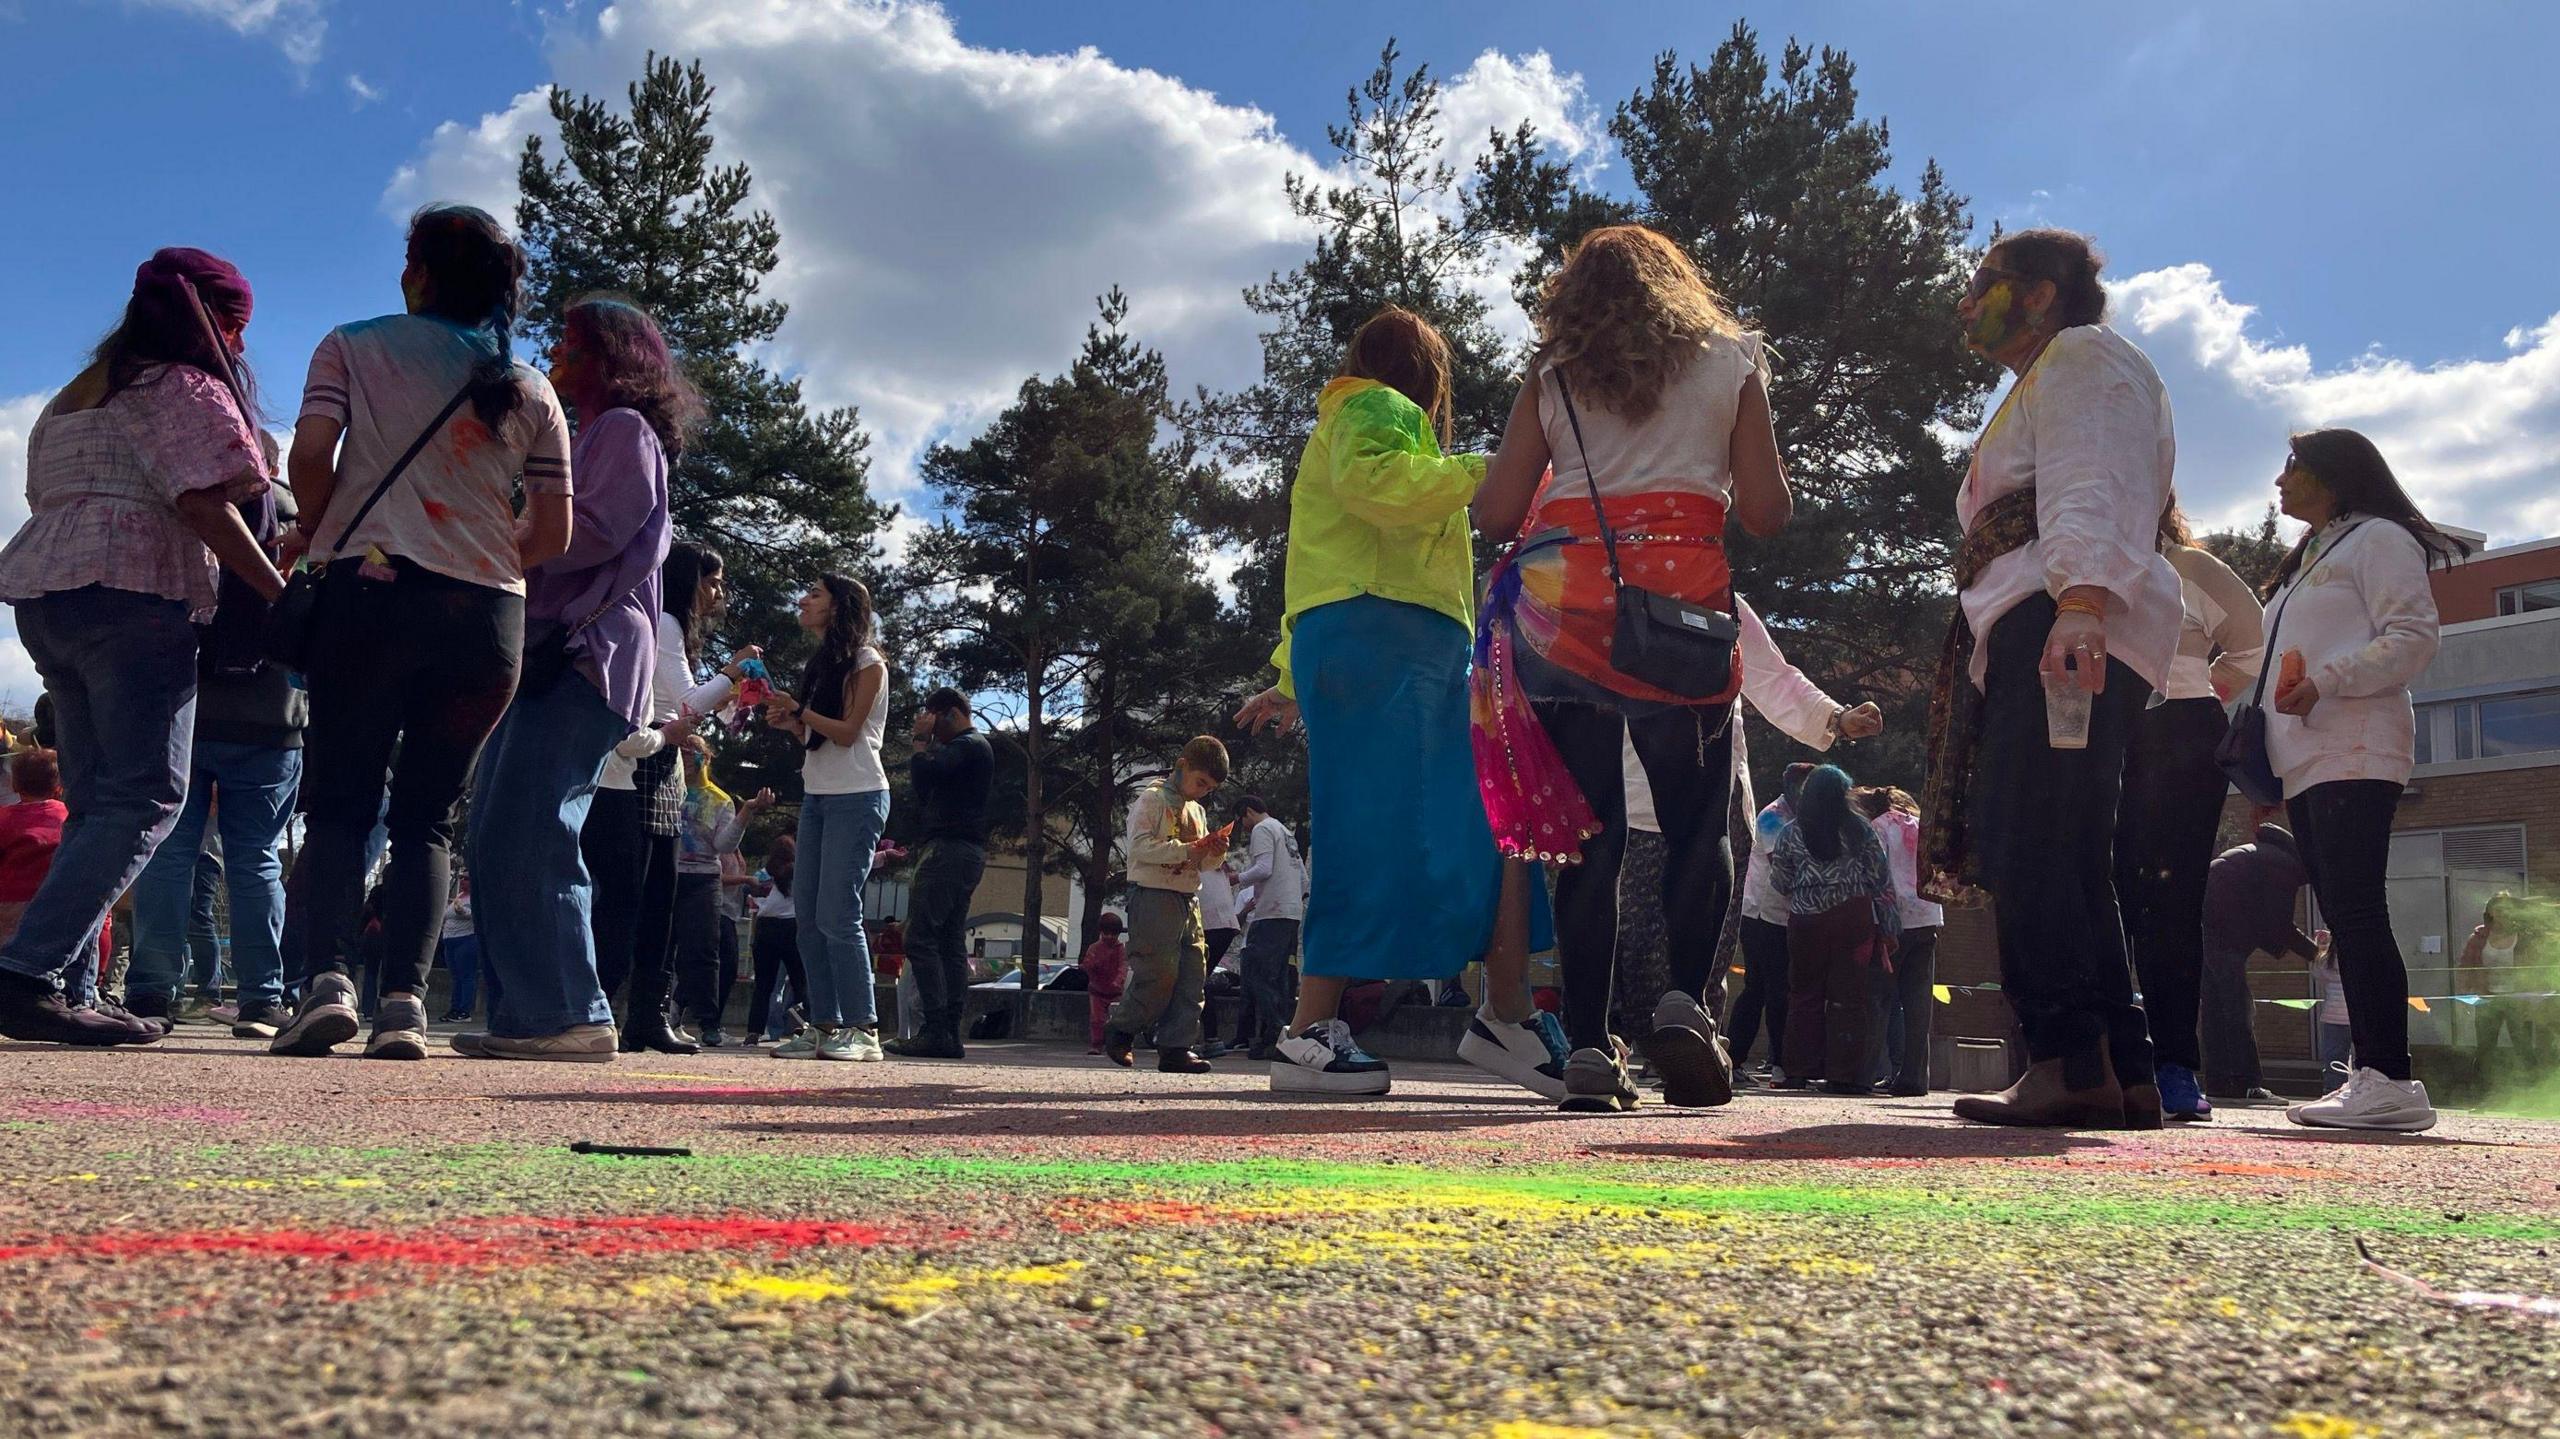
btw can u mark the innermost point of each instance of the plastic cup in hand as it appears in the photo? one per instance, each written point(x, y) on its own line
point(2066, 710)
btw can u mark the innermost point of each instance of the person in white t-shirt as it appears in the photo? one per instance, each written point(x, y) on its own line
point(1277, 876)
point(839, 715)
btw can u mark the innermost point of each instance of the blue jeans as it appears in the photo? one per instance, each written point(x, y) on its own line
point(462, 961)
point(256, 785)
point(838, 832)
point(531, 897)
point(204, 937)
point(121, 668)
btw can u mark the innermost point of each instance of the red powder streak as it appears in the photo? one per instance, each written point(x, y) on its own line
point(513, 1240)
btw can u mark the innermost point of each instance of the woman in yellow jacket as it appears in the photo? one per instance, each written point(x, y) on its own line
point(1373, 658)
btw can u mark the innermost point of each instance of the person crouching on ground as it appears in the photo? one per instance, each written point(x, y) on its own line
point(1169, 843)
point(1843, 918)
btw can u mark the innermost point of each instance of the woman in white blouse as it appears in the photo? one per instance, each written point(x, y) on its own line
point(2172, 809)
point(2060, 585)
point(2351, 620)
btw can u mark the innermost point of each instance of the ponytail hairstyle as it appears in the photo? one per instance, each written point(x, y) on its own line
point(1400, 350)
point(475, 278)
point(1823, 811)
point(679, 581)
point(2351, 468)
point(170, 320)
point(639, 372)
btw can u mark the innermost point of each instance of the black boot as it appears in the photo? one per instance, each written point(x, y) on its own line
point(938, 1039)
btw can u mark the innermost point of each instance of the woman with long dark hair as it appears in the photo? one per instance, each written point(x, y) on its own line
point(591, 619)
point(1843, 919)
point(840, 717)
point(2172, 807)
point(1650, 403)
point(2351, 620)
point(135, 475)
point(420, 620)
point(2067, 619)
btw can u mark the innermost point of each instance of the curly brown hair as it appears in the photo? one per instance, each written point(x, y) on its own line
point(640, 371)
point(1624, 315)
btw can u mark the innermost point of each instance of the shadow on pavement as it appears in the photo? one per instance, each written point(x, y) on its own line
point(1872, 1141)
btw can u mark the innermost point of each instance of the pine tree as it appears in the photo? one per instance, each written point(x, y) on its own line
point(634, 205)
point(1075, 589)
point(2254, 555)
point(1776, 187)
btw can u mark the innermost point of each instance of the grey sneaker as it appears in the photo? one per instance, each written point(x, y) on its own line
point(326, 1019)
point(578, 1044)
point(1686, 1051)
point(1597, 1083)
point(260, 1019)
point(399, 1030)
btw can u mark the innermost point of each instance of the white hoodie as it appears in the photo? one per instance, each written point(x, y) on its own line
point(2363, 616)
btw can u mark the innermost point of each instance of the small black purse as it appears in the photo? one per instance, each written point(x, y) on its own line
point(2243, 751)
point(1659, 640)
point(292, 637)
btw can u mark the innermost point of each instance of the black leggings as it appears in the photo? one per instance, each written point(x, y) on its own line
point(2344, 830)
point(2044, 823)
point(1688, 758)
point(776, 948)
point(1764, 990)
point(635, 902)
point(2172, 808)
point(409, 677)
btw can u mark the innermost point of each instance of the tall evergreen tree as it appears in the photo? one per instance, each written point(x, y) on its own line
point(1075, 587)
point(1777, 188)
point(635, 205)
point(2253, 554)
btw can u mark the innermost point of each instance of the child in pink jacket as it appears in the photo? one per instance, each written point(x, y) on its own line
point(1106, 973)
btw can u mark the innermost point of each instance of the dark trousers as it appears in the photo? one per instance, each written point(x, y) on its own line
point(410, 678)
point(2044, 823)
point(1764, 990)
point(2172, 808)
point(2344, 830)
point(1687, 756)
point(1911, 1012)
point(776, 949)
point(937, 926)
point(2227, 1026)
point(1220, 940)
point(1833, 959)
point(697, 930)
point(635, 879)
point(1269, 997)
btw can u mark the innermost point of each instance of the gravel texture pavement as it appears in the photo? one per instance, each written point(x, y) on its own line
point(198, 1238)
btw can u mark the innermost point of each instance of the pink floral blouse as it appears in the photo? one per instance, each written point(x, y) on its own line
point(103, 484)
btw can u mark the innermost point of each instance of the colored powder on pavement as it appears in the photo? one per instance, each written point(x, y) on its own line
point(517, 1240)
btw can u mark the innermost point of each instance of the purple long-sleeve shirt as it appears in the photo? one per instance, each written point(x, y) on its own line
point(617, 541)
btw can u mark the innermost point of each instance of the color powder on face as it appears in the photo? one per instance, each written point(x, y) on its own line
point(1995, 318)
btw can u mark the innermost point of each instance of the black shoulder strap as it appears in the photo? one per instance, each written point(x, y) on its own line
point(401, 464)
point(1608, 541)
point(2275, 622)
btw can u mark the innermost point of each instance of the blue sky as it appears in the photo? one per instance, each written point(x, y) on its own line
point(2328, 212)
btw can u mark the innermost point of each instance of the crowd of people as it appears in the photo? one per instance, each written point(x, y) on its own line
point(489, 614)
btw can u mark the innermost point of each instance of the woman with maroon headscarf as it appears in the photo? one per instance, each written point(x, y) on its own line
point(134, 477)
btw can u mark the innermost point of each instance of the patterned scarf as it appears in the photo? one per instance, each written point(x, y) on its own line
point(2005, 525)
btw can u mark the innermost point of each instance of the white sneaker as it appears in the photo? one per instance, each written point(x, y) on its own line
point(802, 1044)
point(578, 1044)
point(1326, 1060)
point(2369, 1099)
point(865, 1046)
point(1522, 1053)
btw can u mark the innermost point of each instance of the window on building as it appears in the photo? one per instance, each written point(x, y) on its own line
point(2524, 599)
point(2490, 728)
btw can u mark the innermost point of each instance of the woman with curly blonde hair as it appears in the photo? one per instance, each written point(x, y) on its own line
point(1651, 403)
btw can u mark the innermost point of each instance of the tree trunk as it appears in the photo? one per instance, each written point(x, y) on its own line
point(1035, 845)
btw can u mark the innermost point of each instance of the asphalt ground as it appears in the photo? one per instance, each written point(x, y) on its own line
point(201, 1239)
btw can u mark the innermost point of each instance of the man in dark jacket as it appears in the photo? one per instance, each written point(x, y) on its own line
point(953, 771)
point(2249, 900)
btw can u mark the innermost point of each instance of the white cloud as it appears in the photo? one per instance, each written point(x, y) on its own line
point(297, 26)
point(364, 92)
point(2475, 441)
point(949, 212)
point(19, 685)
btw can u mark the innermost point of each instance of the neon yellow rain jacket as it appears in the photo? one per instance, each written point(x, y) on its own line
point(1378, 510)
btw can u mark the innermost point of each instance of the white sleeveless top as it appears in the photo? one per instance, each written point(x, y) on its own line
point(1684, 446)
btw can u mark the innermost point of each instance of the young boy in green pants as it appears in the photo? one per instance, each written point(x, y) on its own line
point(1168, 842)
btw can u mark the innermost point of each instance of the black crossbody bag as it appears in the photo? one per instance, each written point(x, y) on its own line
point(2243, 751)
point(293, 625)
point(1660, 640)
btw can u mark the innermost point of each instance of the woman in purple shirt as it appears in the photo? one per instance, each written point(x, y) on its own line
point(591, 638)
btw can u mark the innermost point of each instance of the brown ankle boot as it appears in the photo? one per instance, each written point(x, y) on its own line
point(2039, 1099)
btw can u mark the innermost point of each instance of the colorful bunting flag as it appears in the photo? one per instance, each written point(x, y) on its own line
point(2419, 1004)
point(1943, 994)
